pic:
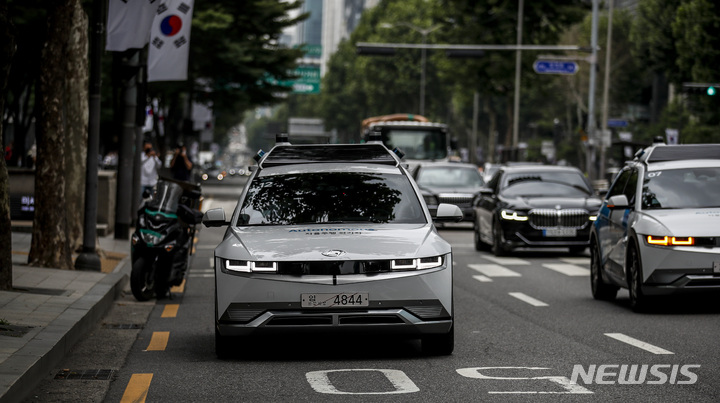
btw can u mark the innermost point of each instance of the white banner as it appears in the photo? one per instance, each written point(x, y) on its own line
point(128, 25)
point(170, 41)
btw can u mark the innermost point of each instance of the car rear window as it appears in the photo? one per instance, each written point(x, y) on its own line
point(330, 197)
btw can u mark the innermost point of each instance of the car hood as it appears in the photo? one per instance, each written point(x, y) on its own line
point(338, 242)
point(684, 222)
point(589, 203)
point(450, 190)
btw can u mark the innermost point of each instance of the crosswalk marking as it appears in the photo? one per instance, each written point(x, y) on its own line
point(137, 389)
point(567, 269)
point(637, 343)
point(482, 278)
point(509, 261)
point(525, 298)
point(580, 261)
point(158, 342)
point(494, 270)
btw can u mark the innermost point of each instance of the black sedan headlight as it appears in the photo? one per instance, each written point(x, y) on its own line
point(513, 215)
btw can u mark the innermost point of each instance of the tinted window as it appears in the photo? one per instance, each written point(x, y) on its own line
point(449, 177)
point(618, 186)
point(682, 188)
point(548, 183)
point(330, 197)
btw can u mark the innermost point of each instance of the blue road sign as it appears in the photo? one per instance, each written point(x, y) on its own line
point(555, 67)
point(617, 123)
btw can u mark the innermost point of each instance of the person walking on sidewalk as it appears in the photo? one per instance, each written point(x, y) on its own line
point(150, 166)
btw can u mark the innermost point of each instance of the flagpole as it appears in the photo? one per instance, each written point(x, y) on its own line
point(89, 258)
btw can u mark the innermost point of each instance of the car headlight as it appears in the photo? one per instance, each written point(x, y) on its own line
point(513, 215)
point(592, 217)
point(246, 266)
point(662, 240)
point(430, 200)
point(417, 264)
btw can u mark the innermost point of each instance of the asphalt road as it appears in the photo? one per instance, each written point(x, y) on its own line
point(524, 325)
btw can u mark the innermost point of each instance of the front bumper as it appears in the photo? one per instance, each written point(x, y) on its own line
point(679, 270)
point(520, 234)
point(401, 303)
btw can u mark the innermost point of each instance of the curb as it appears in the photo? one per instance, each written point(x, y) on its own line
point(49, 346)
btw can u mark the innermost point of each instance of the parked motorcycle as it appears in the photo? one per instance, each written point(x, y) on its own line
point(162, 241)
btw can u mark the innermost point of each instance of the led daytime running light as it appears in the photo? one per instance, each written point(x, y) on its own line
point(416, 264)
point(670, 241)
point(513, 216)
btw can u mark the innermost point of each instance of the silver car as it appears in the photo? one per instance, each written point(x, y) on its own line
point(333, 238)
point(658, 230)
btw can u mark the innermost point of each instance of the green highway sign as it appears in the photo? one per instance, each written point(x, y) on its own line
point(308, 81)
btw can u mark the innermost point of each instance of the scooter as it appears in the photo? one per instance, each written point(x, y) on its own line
point(162, 241)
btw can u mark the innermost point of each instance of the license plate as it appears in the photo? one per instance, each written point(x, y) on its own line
point(560, 232)
point(345, 299)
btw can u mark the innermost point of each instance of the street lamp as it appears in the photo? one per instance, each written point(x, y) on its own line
point(423, 61)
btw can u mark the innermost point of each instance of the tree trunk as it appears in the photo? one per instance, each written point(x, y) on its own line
point(7, 50)
point(49, 246)
point(76, 124)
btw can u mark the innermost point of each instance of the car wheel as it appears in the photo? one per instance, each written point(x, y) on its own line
point(638, 301)
point(497, 248)
point(439, 344)
point(479, 244)
point(600, 290)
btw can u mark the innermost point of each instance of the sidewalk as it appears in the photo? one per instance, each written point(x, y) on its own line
point(50, 310)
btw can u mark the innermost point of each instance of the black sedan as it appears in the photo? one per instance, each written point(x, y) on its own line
point(535, 206)
point(449, 182)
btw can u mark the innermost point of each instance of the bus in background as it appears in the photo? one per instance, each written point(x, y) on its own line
point(420, 139)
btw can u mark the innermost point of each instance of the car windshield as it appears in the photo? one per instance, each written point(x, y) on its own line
point(545, 184)
point(165, 198)
point(417, 144)
point(447, 177)
point(682, 188)
point(330, 197)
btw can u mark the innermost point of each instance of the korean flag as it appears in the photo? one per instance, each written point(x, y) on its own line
point(170, 41)
point(128, 24)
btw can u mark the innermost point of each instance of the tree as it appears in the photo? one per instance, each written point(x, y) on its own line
point(50, 246)
point(7, 50)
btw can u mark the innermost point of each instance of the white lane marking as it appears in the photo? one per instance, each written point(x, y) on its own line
point(212, 262)
point(525, 298)
point(493, 270)
point(320, 382)
point(580, 261)
point(567, 269)
point(482, 278)
point(637, 343)
point(509, 261)
point(201, 275)
point(202, 271)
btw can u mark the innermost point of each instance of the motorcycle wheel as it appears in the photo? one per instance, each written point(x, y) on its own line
point(142, 281)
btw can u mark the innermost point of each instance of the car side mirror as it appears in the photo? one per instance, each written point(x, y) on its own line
point(448, 212)
point(214, 218)
point(617, 202)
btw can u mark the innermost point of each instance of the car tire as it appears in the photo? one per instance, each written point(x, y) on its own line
point(480, 246)
point(600, 290)
point(497, 247)
point(638, 300)
point(439, 344)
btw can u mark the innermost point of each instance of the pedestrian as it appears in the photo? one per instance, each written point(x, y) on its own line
point(181, 164)
point(150, 166)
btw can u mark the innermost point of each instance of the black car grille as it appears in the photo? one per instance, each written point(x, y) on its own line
point(335, 267)
point(552, 218)
point(460, 200)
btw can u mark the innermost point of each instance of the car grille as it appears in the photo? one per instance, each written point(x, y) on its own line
point(552, 218)
point(460, 200)
point(335, 267)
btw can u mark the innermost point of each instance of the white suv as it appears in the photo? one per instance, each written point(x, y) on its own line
point(658, 230)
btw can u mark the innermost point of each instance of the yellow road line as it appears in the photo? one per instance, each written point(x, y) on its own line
point(178, 288)
point(159, 341)
point(170, 311)
point(137, 389)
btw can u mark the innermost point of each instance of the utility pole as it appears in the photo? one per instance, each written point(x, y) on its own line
point(592, 135)
point(606, 89)
point(518, 59)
